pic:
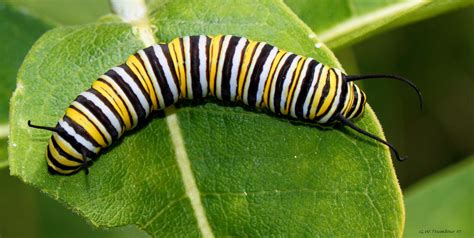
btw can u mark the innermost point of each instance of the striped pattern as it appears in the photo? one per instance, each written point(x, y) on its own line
point(230, 68)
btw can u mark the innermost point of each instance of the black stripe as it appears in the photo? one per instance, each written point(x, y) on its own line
point(109, 105)
point(169, 61)
point(327, 94)
point(142, 63)
point(58, 164)
point(181, 46)
point(316, 86)
point(117, 95)
point(246, 72)
point(74, 143)
point(355, 101)
point(129, 94)
point(257, 70)
point(64, 153)
point(95, 126)
point(217, 64)
point(342, 100)
point(79, 129)
point(362, 104)
point(157, 67)
point(208, 58)
point(294, 78)
point(227, 68)
point(305, 86)
point(325, 91)
point(239, 71)
point(103, 119)
point(194, 59)
point(137, 82)
point(279, 82)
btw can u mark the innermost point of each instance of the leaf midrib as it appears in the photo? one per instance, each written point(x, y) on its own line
point(141, 23)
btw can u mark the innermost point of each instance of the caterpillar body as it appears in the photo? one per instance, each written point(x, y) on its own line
point(230, 68)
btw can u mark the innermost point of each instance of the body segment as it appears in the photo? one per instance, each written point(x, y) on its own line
point(230, 68)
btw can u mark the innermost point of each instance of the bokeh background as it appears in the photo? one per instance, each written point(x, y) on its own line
point(436, 54)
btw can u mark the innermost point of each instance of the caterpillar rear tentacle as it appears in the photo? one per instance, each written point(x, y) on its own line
point(230, 68)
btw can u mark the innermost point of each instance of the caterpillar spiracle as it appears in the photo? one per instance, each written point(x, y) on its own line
point(229, 68)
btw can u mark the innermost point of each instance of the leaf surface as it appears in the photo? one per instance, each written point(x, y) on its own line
point(63, 12)
point(350, 21)
point(18, 33)
point(447, 198)
point(252, 173)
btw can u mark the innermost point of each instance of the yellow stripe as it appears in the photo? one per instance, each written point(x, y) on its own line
point(56, 168)
point(351, 98)
point(94, 120)
point(319, 89)
point(70, 151)
point(275, 63)
point(116, 102)
point(331, 94)
point(213, 62)
point(90, 128)
point(62, 160)
point(175, 61)
point(138, 69)
point(365, 100)
point(296, 75)
point(245, 65)
point(180, 66)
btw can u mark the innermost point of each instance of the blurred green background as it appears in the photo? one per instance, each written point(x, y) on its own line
point(436, 54)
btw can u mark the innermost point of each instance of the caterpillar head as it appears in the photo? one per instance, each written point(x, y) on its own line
point(356, 102)
point(65, 154)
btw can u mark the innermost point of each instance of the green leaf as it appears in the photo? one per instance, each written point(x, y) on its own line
point(63, 12)
point(18, 33)
point(442, 204)
point(205, 168)
point(350, 21)
point(45, 217)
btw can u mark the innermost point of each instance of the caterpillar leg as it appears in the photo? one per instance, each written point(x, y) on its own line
point(87, 163)
point(348, 123)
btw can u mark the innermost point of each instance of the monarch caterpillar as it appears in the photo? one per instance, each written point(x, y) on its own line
point(230, 68)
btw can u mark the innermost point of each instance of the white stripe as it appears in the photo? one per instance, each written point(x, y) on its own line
point(63, 141)
point(126, 100)
point(264, 75)
point(297, 91)
point(62, 159)
point(287, 83)
point(275, 77)
point(187, 62)
point(225, 45)
point(192, 191)
point(350, 96)
point(152, 75)
point(166, 69)
point(335, 103)
point(135, 88)
point(359, 101)
point(235, 67)
point(94, 120)
point(105, 110)
point(250, 71)
point(203, 65)
point(312, 88)
point(81, 140)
